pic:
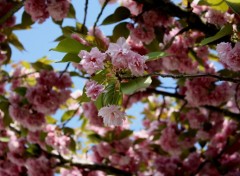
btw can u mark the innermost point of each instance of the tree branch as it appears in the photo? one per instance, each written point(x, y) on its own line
point(99, 15)
point(92, 167)
point(225, 112)
point(220, 78)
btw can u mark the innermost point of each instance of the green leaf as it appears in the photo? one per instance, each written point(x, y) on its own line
point(4, 139)
point(41, 66)
point(26, 19)
point(234, 5)
point(100, 76)
point(69, 45)
point(13, 39)
point(72, 145)
point(124, 134)
point(69, 57)
point(135, 85)
point(21, 91)
point(50, 120)
point(68, 115)
point(226, 30)
point(156, 55)
point(215, 4)
point(68, 131)
point(120, 30)
point(121, 13)
point(228, 73)
point(71, 12)
point(84, 97)
point(94, 137)
point(112, 94)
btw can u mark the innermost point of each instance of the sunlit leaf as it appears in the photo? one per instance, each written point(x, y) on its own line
point(226, 30)
point(69, 45)
point(156, 55)
point(135, 85)
point(69, 57)
point(68, 115)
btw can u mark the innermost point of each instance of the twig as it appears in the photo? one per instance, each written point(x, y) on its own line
point(65, 70)
point(232, 115)
point(108, 169)
point(220, 78)
point(99, 15)
point(85, 15)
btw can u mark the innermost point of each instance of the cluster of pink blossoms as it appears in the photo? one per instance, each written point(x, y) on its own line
point(203, 91)
point(41, 9)
point(41, 99)
point(122, 57)
point(230, 57)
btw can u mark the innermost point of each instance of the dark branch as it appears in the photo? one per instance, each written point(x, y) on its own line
point(92, 167)
point(220, 78)
point(230, 114)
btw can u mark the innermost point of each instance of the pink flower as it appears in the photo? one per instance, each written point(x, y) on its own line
point(37, 9)
point(233, 58)
point(217, 17)
point(90, 111)
point(93, 89)
point(119, 53)
point(58, 9)
point(92, 61)
point(142, 33)
point(136, 63)
point(223, 49)
point(39, 166)
point(112, 115)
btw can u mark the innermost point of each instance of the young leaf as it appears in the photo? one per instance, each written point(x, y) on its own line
point(120, 30)
point(68, 115)
point(71, 12)
point(226, 30)
point(69, 57)
point(135, 85)
point(69, 45)
point(156, 55)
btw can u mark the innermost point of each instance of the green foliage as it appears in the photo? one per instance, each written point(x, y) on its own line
point(68, 115)
point(69, 57)
point(21, 91)
point(50, 120)
point(135, 85)
point(69, 45)
point(156, 55)
point(121, 13)
point(234, 5)
point(215, 4)
point(71, 12)
point(225, 30)
point(120, 30)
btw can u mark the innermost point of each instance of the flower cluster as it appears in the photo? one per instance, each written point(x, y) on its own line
point(229, 56)
point(41, 9)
